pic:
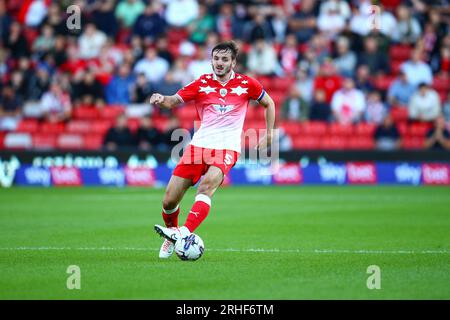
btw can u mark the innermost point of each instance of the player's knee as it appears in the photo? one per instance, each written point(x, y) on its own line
point(206, 187)
point(169, 203)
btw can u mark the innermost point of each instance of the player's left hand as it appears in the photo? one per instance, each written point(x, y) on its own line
point(264, 143)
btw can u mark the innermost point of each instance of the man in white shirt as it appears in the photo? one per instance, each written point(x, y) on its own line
point(348, 104)
point(154, 67)
point(425, 104)
point(416, 70)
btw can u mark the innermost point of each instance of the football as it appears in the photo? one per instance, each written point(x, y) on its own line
point(190, 247)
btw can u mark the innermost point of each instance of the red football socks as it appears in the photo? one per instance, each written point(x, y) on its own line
point(171, 217)
point(198, 213)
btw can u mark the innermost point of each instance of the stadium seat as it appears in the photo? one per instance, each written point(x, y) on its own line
point(133, 124)
point(409, 142)
point(399, 113)
point(400, 52)
point(101, 126)
point(2, 140)
point(402, 128)
point(85, 113)
point(306, 143)
point(383, 82)
point(317, 128)
point(70, 141)
point(28, 125)
point(292, 128)
point(18, 140)
point(79, 126)
point(396, 65)
point(361, 143)
point(44, 141)
point(52, 128)
point(418, 129)
point(333, 143)
point(93, 141)
point(337, 129)
point(441, 84)
point(365, 129)
point(111, 112)
point(281, 84)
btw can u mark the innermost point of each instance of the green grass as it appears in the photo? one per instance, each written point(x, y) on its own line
point(109, 234)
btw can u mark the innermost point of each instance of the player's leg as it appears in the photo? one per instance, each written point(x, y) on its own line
point(175, 191)
point(176, 188)
point(211, 181)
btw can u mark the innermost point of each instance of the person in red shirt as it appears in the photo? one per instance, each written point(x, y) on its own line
point(328, 80)
point(221, 99)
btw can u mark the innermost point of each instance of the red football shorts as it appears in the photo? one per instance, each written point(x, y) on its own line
point(196, 161)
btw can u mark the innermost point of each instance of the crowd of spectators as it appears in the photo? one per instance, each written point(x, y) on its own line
point(124, 51)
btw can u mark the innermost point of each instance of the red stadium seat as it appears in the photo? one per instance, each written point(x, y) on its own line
point(2, 139)
point(317, 128)
point(418, 129)
point(292, 128)
point(93, 141)
point(28, 125)
point(383, 82)
point(409, 142)
point(333, 143)
point(133, 124)
point(396, 65)
point(400, 52)
point(399, 113)
point(361, 143)
point(52, 128)
point(79, 126)
point(306, 143)
point(85, 112)
point(365, 129)
point(441, 84)
point(101, 126)
point(111, 112)
point(44, 141)
point(70, 141)
point(281, 84)
point(337, 129)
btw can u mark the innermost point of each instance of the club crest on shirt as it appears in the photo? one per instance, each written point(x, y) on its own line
point(223, 92)
point(223, 108)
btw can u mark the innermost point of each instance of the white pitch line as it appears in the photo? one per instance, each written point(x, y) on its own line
point(300, 251)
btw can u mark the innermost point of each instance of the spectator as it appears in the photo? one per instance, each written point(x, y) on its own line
point(167, 141)
point(348, 103)
point(10, 109)
point(289, 55)
point(55, 104)
point(425, 104)
point(388, 22)
point(154, 67)
point(360, 22)
point(320, 109)
point(147, 136)
point(35, 13)
point(371, 57)
point(345, 60)
point(304, 85)
point(386, 135)
point(228, 25)
point(118, 91)
point(119, 136)
point(105, 18)
point(310, 63)
point(400, 91)
point(88, 90)
point(91, 41)
point(150, 25)
point(59, 51)
point(141, 89)
point(16, 42)
point(162, 46)
point(179, 13)
point(262, 59)
point(38, 84)
point(362, 79)
point(55, 19)
point(257, 28)
point(201, 64)
point(127, 12)
point(279, 25)
point(201, 26)
point(45, 42)
point(303, 23)
point(328, 80)
point(446, 108)
point(5, 22)
point(168, 86)
point(294, 106)
point(408, 28)
point(376, 110)
point(438, 138)
point(180, 71)
point(332, 18)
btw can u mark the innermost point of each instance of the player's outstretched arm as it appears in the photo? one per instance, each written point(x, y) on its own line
point(165, 101)
point(269, 113)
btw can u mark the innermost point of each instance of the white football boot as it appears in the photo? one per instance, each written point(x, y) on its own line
point(172, 234)
point(166, 250)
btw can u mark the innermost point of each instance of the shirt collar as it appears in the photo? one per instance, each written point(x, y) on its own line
point(231, 77)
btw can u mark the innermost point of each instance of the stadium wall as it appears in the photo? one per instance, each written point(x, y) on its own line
point(46, 169)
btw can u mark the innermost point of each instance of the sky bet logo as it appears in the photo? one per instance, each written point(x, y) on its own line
point(223, 108)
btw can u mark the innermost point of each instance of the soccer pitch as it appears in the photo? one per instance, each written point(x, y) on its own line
point(261, 243)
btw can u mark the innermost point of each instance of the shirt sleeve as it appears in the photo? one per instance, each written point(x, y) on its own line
point(190, 91)
point(255, 89)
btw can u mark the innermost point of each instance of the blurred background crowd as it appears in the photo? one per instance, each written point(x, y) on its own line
point(353, 74)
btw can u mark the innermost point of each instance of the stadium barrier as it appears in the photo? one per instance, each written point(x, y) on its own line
point(121, 169)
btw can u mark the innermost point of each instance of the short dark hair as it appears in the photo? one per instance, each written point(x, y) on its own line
point(227, 46)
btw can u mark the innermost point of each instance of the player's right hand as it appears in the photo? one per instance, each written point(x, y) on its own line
point(156, 98)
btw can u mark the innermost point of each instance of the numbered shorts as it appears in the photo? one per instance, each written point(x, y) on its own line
point(196, 161)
